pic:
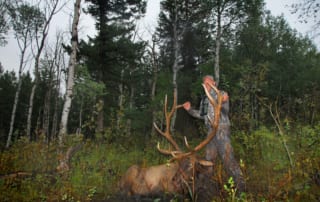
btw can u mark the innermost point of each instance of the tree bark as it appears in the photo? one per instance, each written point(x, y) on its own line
point(155, 68)
point(175, 67)
point(59, 61)
point(131, 104)
point(13, 114)
point(217, 50)
point(100, 116)
point(40, 47)
point(154, 112)
point(56, 102)
point(47, 105)
point(80, 118)
point(16, 99)
point(72, 65)
point(120, 102)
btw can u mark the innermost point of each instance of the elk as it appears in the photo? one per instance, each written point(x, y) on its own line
point(179, 173)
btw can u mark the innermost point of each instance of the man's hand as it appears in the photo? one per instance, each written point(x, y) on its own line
point(186, 105)
point(225, 97)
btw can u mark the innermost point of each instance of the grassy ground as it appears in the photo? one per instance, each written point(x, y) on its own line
point(97, 167)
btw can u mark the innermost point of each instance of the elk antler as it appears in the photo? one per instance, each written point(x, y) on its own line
point(178, 154)
point(214, 123)
point(166, 133)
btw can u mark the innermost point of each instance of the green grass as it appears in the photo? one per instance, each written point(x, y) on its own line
point(97, 167)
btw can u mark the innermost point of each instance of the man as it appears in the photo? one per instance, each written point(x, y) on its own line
point(220, 144)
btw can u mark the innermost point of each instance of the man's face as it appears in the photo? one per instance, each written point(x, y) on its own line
point(207, 81)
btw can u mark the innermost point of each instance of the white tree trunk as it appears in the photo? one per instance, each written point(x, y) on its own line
point(155, 67)
point(16, 98)
point(59, 61)
point(33, 90)
point(175, 67)
point(13, 114)
point(217, 50)
point(51, 8)
point(72, 64)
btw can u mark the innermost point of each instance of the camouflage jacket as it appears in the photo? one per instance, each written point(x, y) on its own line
point(206, 111)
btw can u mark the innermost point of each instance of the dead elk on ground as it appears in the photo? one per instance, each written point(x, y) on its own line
point(179, 175)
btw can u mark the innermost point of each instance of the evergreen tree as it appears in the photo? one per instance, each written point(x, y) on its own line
point(25, 20)
point(113, 51)
point(183, 33)
point(8, 82)
point(248, 73)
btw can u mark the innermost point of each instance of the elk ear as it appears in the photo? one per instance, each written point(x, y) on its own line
point(205, 163)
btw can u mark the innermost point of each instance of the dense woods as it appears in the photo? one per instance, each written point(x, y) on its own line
point(115, 83)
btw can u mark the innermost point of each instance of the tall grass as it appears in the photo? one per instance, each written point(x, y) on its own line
point(97, 167)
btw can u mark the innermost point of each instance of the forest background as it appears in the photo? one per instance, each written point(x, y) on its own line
point(115, 83)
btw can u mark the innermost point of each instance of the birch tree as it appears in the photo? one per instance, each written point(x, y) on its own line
point(59, 64)
point(154, 60)
point(25, 19)
point(171, 29)
point(71, 71)
point(308, 10)
point(175, 67)
point(51, 7)
point(224, 14)
point(4, 22)
point(53, 61)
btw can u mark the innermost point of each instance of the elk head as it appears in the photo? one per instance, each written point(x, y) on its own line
point(179, 173)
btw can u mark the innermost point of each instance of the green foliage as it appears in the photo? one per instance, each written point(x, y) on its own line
point(8, 85)
point(26, 20)
point(4, 24)
point(263, 58)
point(97, 167)
point(267, 167)
point(232, 191)
point(95, 170)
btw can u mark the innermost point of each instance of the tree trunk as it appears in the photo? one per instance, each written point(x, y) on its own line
point(131, 104)
point(175, 67)
point(52, 10)
point(217, 50)
point(154, 82)
point(16, 98)
point(100, 116)
point(59, 61)
point(72, 65)
point(46, 115)
point(56, 102)
point(80, 118)
point(55, 115)
point(120, 102)
point(13, 114)
point(47, 107)
point(30, 109)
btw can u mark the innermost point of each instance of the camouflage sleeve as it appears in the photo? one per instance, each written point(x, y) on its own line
point(225, 105)
point(224, 115)
point(224, 111)
point(195, 113)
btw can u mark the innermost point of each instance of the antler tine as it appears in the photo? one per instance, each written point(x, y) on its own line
point(217, 109)
point(167, 133)
point(163, 151)
point(187, 143)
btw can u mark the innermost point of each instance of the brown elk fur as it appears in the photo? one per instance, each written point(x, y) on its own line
point(178, 175)
point(165, 178)
point(151, 180)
